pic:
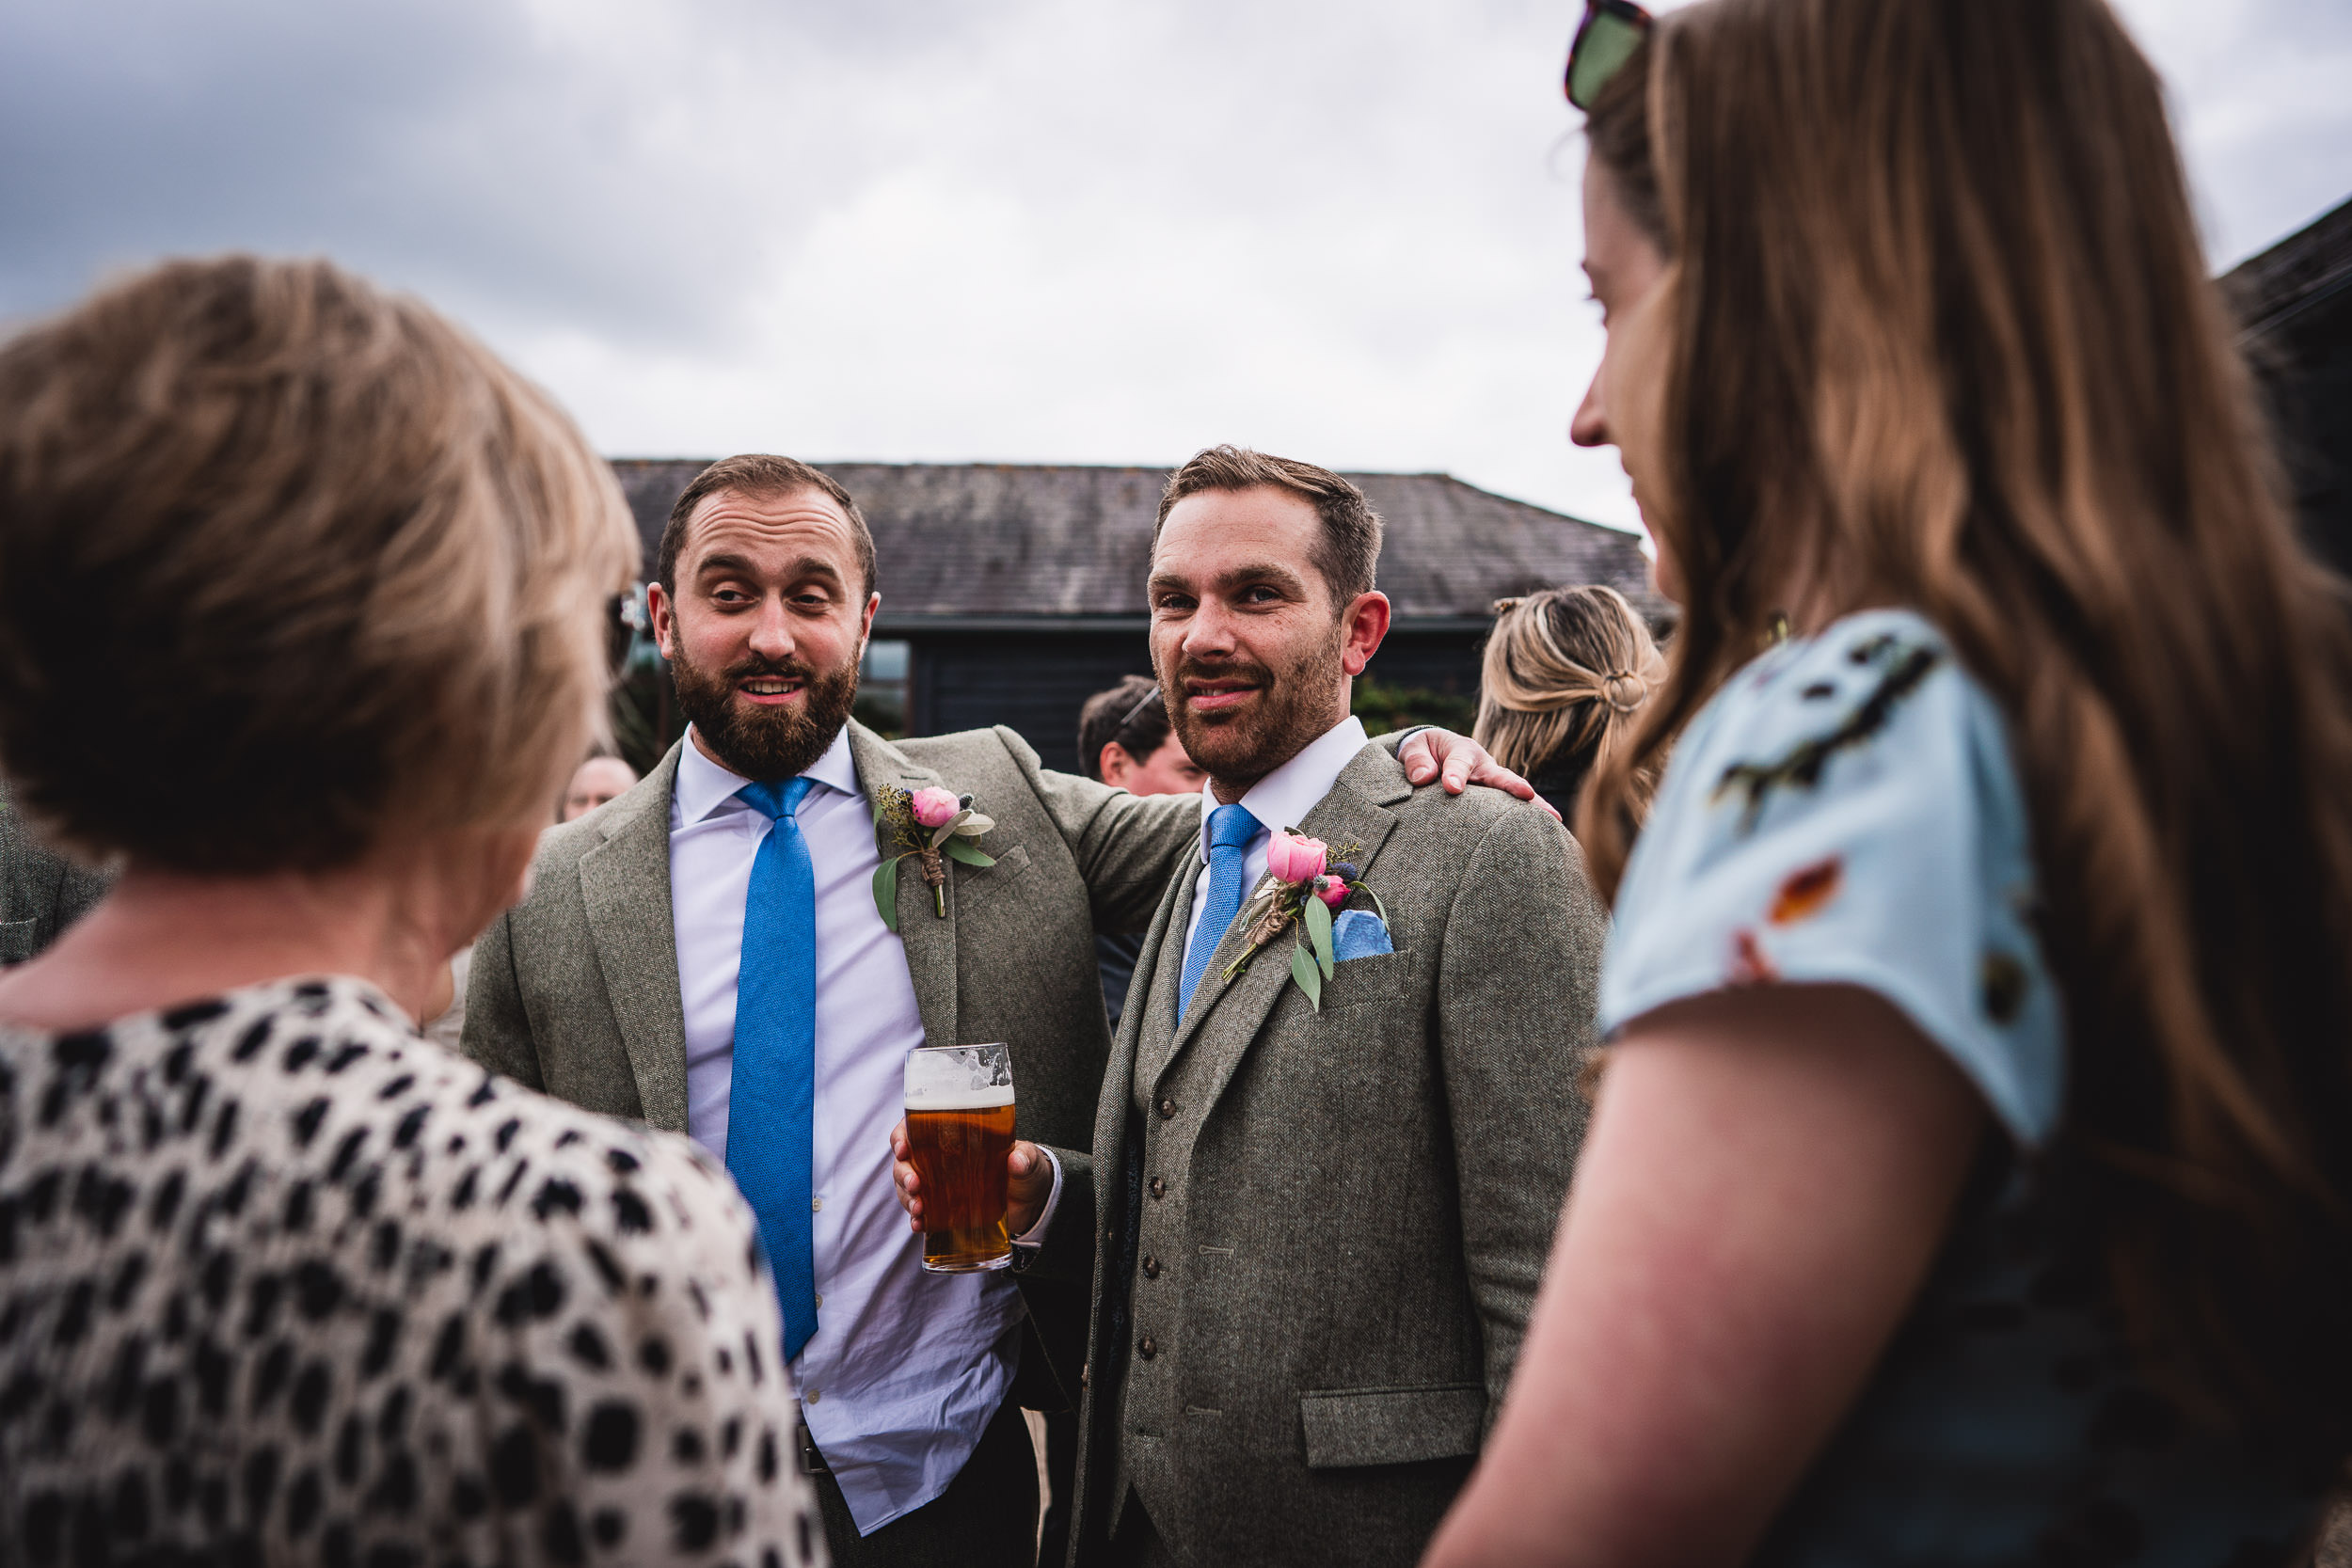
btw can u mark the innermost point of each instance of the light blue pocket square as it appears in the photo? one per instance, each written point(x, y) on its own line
point(1359, 934)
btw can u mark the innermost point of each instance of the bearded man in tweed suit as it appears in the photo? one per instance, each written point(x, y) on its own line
point(1314, 1233)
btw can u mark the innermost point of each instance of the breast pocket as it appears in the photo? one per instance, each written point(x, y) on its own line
point(1381, 977)
point(17, 938)
point(1348, 1427)
point(979, 887)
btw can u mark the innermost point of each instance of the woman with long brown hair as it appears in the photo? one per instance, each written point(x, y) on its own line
point(1969, 1181)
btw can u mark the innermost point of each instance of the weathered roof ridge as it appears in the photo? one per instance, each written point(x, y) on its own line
point(1063, 540)
point(2313, 262)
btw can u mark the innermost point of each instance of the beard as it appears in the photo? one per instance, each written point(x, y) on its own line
point(766, 743)
point(1291, 711)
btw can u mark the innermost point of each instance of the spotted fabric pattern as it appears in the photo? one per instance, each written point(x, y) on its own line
point(281, 1282)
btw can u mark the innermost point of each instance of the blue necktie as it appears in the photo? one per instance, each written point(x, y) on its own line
point(773, 1097)
point(1230, 829)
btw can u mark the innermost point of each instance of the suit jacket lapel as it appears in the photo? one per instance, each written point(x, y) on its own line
point(625, 886)
point(1226, 1015)
point(929, 942)
point(1152, 997)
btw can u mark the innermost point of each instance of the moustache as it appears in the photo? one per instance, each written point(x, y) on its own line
point(778, 669)
point(1232, 670)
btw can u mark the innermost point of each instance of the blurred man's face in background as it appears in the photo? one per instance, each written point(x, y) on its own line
point(594, 782)
point(1167, 771)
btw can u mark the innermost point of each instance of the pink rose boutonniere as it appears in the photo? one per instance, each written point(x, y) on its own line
point(1303, 886)
point(931, 826)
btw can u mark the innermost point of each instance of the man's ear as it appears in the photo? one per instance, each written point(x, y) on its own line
point(1113, 763)
point(1367, 621)
point(662, 613)
point(866, 625)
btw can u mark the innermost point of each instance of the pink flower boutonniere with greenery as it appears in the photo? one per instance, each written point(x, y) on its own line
point(1304, 885)
point(931, 826)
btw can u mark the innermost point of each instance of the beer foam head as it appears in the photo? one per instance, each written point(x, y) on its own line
point(943, 1098)
point(959, 1078)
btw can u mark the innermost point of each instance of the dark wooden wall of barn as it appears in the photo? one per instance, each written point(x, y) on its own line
point(1035, 681)
point(2304, 363)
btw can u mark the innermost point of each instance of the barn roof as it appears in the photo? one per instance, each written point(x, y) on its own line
point(2307, 270)
point(978, 542)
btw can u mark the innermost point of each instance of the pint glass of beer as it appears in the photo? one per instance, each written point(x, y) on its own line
point(958, 1135)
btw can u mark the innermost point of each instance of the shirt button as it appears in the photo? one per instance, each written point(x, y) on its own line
point(820, 1301)
point(1168, 1110)
point(1151, 1268)
point(815, 1204)
point(1146, 1348)
point(1159, 1188)
point(814, 1396)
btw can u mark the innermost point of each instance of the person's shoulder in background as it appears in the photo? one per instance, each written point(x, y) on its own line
point(41, 891)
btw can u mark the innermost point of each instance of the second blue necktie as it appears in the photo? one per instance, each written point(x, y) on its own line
point(773, 1099)
point(1230, 829)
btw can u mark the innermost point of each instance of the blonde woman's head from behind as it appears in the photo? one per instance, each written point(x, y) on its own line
point(294, 573)
point(1567, 671)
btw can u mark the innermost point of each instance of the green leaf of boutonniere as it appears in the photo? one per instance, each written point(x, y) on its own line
point(969, 853)
point(1309, 979)
point(1318, 914)
point(886, 890)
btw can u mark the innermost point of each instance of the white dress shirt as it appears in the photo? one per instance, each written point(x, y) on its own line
point(905, 1367)
point(1280, 799)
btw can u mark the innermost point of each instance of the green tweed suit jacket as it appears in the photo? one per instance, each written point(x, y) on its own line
point(575, 990)
point(41, 893)
point(1314, 1237)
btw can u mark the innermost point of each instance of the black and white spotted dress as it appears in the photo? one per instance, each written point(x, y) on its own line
point(281, 1282)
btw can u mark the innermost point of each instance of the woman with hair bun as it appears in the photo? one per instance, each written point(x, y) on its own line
point(303, 618)
point(1971, 1182)
point(1566, 672)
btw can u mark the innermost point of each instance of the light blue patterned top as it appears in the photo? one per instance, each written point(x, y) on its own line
point(1847, 810)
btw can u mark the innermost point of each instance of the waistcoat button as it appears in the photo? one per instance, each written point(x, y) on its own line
point(1146, 1348)
point(1151, 1268)
point(1168, 1110)
point(1159, 1188)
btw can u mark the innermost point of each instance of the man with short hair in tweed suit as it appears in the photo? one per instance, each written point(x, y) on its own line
point(1315, 1224)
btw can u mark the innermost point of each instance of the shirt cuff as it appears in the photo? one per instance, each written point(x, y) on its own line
point(1035, 1235)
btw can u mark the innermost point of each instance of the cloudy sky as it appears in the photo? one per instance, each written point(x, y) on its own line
point(1021, 231)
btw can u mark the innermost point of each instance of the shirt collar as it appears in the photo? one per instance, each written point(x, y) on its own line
point(1284, 797)
point(704, 787)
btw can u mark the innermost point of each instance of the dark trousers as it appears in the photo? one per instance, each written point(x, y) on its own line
point(987, 1518)
point(1062, 1475)
point(1138, 1544)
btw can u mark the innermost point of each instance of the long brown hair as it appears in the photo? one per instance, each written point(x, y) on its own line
point(1944, 338)
point(1565, 674)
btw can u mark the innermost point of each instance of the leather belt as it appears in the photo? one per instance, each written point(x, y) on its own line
point(812, 1462)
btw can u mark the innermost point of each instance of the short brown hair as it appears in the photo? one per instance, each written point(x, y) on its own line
point(287, 563)
point(1131, 713)
point(1347, 553)
point(758, 473)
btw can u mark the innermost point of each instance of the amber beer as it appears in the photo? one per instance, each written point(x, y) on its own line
point(959, 1137)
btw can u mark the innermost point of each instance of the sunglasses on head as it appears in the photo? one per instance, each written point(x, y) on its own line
point(1149, 699)
point(1610, 31)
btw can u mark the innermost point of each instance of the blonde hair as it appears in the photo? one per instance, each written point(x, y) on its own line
point(289, 564)
point(1567, 670)
point(1941, 337)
